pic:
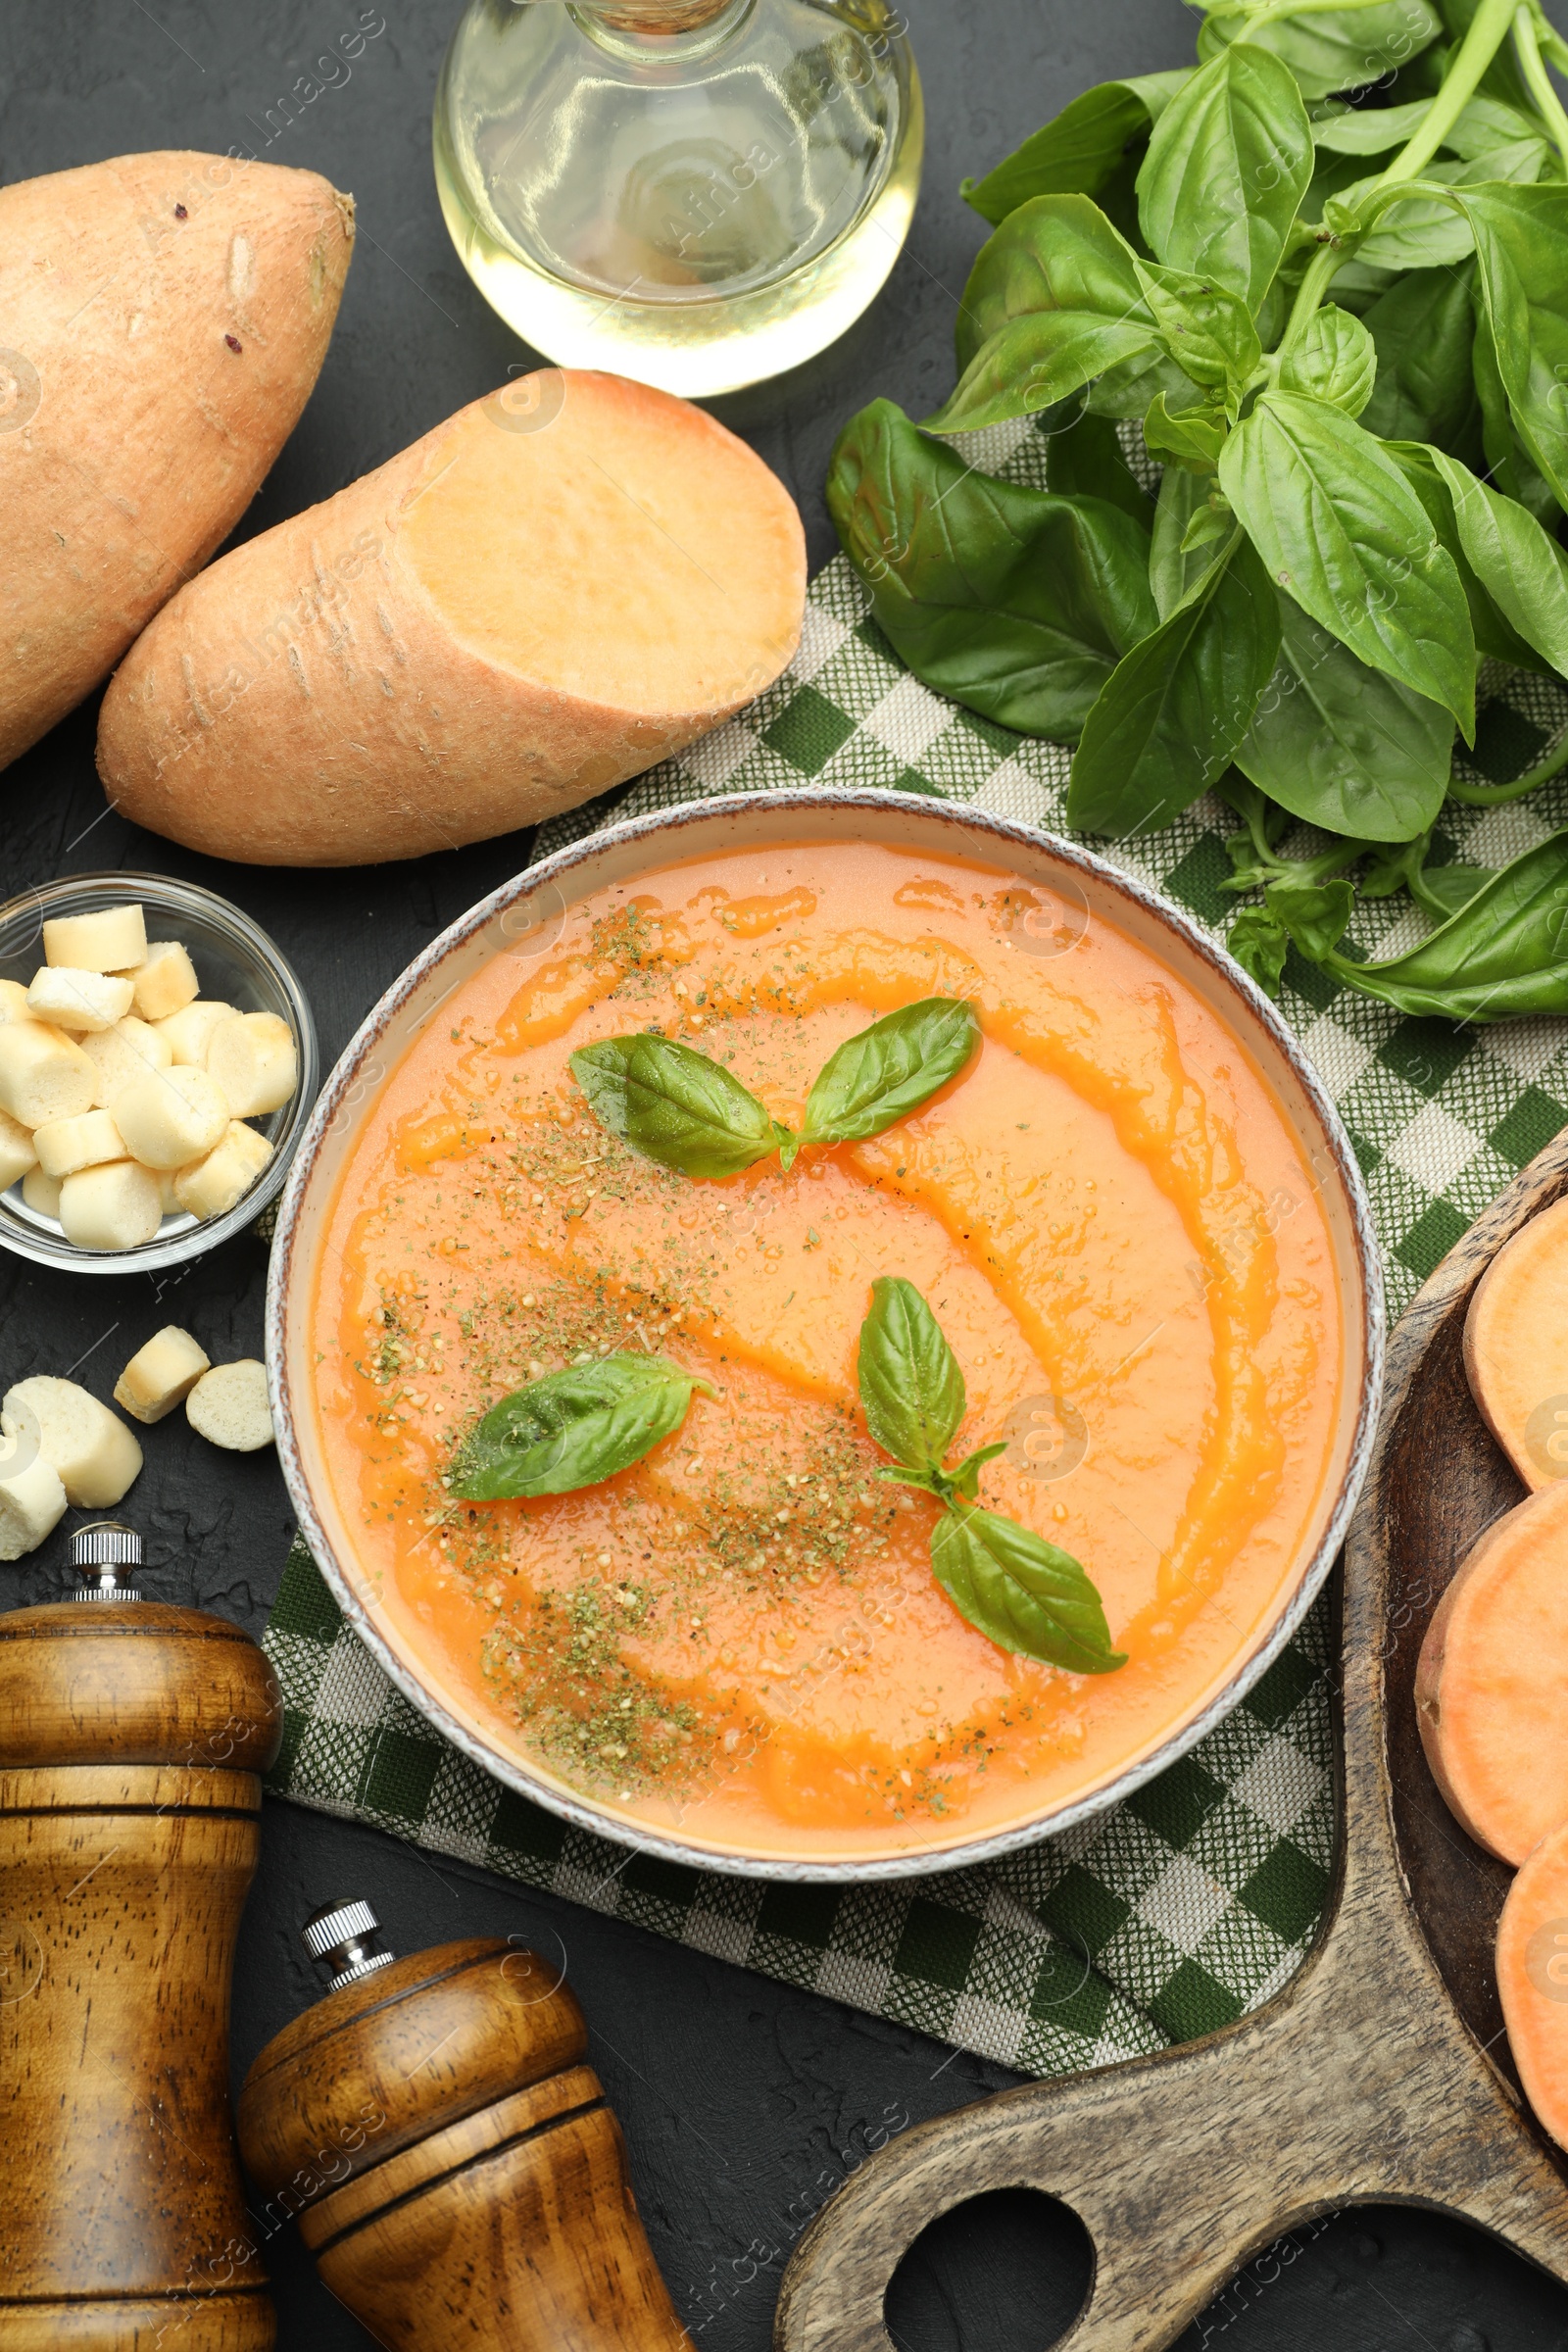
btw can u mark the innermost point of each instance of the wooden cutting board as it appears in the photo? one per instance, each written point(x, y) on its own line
point(1381, 2071)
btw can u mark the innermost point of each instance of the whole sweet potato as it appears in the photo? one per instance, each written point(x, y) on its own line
point(163, 318)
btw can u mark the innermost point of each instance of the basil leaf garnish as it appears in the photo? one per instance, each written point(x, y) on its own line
point(888, 1071)
point(911, 1390)
point(1020, 1591)
point(675, 1105)
point(573, 1427)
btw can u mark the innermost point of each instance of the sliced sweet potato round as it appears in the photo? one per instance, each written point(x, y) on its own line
point(1516, 1347)
point(1492, 1683)
point(1533, 1980)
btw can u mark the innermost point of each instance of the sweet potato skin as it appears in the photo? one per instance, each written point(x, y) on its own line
point(1429, 1708)
point(303, 702)
point(166, 316)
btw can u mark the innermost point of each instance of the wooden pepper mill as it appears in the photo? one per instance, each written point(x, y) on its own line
point(133, 1736)
point(452, 2160)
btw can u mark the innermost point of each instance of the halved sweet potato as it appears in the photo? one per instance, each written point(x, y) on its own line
point(1533, 1980)
point(165, 317)
point(1492, 1682)
point(551, 592)
point(1516, 1347)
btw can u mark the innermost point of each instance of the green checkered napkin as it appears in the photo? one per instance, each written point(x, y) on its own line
point(1196, 1899)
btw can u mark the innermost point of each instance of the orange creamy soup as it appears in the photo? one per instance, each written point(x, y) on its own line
point(741, 1637)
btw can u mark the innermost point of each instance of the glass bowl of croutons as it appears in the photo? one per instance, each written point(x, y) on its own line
point(158, 1064)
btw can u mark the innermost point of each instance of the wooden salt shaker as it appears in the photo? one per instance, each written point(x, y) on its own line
point(452, 2160)
point(133, 1736)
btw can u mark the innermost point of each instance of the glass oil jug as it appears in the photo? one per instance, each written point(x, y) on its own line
point(696, 194)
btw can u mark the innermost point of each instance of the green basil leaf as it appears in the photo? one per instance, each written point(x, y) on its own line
point(1443, 888)
point(1052, 302)
point(1191, 439)
point(1055, 253)
point(1081, 150)
point(1174, 709)
point(1336, 360)
point(911, 1390)
point(1259, 941)
point(1339, 49)
point(1207, 527)
point(1209, 332)
point(1315, 914)
point(1485, 125)
point(1174, 567)
point(1015, 602)
point(1126, 390)
point(1504, 956)
point(1343, 532)
point(888, 1071)
point(1521, 238)
point(1022, 1592)
point(1489, 124)
point(1423, 330)
point(1521, 567)
point(1227, 167)
point(1369, 129)
point(1494, 633)
point(1084, 461)
point(573, 1427)
point(1342, 746)
point(1503, 454)
point(1424, 231)
point(1033, 364)
point(675, 1105)
point(1418, 232)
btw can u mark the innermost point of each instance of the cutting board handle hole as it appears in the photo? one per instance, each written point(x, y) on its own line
point(1006, 2272)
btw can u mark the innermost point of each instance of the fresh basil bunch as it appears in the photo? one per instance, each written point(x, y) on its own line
point(1020, 1591)
point(573, 1427)
point(1361, 499)
point(682, 1108)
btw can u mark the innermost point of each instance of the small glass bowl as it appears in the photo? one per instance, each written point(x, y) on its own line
point(235, 962)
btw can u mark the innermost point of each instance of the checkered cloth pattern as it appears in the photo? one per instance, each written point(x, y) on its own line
point(1196, 1899)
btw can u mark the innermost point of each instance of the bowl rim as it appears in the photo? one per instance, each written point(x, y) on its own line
point(959, 1852)
point(38, 1246)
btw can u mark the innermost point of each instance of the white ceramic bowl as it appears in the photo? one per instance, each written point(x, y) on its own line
point(523, 921)
point(236, 962)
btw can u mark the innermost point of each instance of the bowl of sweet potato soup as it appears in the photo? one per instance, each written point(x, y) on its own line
point(824, 1335)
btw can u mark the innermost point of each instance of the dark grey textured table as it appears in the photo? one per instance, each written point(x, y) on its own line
point(744, 2102)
